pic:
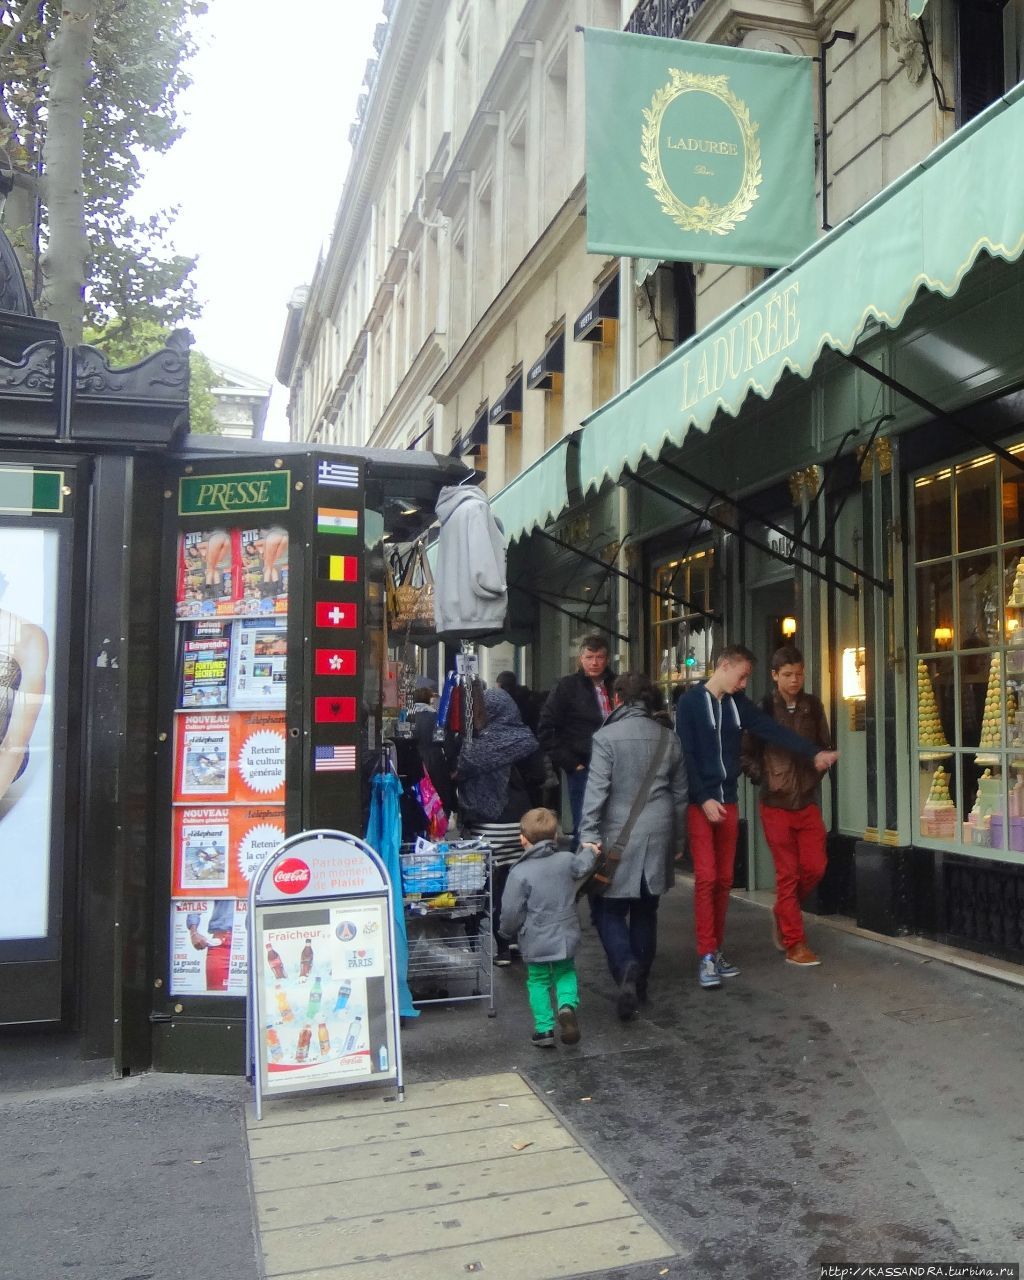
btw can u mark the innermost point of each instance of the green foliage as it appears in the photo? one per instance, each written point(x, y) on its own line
point(124, 343)
point(140, 53)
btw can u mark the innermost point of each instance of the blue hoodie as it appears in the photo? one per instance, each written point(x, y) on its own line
point(711, 732)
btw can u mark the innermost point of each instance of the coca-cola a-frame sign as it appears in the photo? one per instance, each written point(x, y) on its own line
point(322, 1008)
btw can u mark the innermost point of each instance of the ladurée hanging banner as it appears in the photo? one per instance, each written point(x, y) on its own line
point(697, 152)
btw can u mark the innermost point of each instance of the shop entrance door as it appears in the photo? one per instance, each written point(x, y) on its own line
point(769, 604)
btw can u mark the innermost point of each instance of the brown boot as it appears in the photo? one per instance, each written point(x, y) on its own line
point(801, 954)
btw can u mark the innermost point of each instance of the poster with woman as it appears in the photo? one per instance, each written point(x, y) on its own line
point(28, 622)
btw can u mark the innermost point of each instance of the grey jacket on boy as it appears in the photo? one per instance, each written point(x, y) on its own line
point(539, 902)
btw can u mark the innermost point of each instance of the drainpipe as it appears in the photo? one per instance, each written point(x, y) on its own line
point(629, 654)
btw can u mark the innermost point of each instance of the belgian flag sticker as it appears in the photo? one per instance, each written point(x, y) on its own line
point(337, 568)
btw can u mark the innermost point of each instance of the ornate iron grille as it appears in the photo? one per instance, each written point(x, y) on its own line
point(662, 17)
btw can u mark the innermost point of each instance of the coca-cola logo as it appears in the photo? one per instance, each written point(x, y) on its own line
point(291, 876)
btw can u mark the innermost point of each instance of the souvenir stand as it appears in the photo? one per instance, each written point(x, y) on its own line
point(447, 887)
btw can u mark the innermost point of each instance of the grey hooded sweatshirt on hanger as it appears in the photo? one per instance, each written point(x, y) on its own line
point(470, 594)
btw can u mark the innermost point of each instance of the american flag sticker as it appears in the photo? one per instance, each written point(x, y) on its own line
point(338, 475)
point(334, 759)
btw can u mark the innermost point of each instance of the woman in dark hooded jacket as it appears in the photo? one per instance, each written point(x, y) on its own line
point(497, 770)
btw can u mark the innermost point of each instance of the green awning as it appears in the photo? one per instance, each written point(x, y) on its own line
point(924, 231)
point(536, 496)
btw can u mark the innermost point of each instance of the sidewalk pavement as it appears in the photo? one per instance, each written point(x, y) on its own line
point(867, 1110)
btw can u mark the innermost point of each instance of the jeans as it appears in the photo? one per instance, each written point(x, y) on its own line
point(713, 850)
point(628, 929)
point(541, 979)
point(577, 784)
point(796, 838)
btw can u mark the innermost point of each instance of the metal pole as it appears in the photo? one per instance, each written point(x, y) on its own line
point(628, 577)
point(823, 119)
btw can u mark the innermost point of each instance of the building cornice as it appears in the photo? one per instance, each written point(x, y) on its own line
point(413, 388)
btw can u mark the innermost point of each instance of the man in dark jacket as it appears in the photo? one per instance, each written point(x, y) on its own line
point(710, 720)
point(576, 708)
point(790, 813)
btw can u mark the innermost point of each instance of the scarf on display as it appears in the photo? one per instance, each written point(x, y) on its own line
point(485, 762)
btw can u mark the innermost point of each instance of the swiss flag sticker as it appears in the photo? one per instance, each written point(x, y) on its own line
point(331, 614)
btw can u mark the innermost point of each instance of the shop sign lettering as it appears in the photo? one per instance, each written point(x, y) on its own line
point(216, 495)
point(761, 334)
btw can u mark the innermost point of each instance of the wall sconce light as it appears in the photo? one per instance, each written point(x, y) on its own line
point(789, 627)
point(853, 674)
point(943, 637)
point(854, 686)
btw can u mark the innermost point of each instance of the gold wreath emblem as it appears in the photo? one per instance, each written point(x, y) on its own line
point(717, 219)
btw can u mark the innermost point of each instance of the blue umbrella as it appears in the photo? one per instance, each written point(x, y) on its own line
point(384, 833)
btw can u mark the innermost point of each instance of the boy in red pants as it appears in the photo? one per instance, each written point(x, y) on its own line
point(790, 812)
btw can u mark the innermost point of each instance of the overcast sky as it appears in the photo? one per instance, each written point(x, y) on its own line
point(259, 173)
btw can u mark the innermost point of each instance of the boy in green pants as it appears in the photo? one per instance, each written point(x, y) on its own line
point(539, 905)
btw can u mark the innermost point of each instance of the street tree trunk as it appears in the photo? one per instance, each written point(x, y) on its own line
point(70, 70)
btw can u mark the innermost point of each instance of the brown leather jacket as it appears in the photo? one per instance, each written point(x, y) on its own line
point(786, 780)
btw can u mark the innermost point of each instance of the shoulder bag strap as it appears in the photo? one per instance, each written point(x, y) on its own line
point(642, 796)
point(608, 860)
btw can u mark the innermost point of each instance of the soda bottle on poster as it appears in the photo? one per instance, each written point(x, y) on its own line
point(355, 1031)
point(315, 996)
point(302, 1048)
point(306, 960)
point(323, 1036)
point(283, 1007)
point(274, 1045)
point(382, 1057)
point(275, 961)
point(344, 991)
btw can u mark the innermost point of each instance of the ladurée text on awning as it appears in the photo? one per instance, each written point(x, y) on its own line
point(759, 334)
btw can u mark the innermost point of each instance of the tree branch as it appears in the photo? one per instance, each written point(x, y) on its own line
point(29, 17)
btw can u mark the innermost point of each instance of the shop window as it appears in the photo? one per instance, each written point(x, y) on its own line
point(682, 638)
point(513, 447)
point(554, 410)
point(606, 363)
point(979, 60)
point(969, 678)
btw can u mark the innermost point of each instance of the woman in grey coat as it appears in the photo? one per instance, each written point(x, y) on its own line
point(626, 916)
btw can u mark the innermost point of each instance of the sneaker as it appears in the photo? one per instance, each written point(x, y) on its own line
point(626, 1003)
point(802, 955)
point(568, 1025)
point(707, 971)
point(725, 969)
point(777, 934)
point(503, 958)
point(543, 1039)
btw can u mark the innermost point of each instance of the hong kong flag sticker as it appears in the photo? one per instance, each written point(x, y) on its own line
point(291, 876)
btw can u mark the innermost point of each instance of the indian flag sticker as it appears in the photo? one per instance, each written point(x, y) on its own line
point(334, 520)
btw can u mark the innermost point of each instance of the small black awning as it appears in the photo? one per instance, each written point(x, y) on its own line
point(603, 306)
point(510, 401)
point(475, 438)
point(552, 361)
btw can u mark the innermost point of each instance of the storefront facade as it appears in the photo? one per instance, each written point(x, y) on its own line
point(835, 461)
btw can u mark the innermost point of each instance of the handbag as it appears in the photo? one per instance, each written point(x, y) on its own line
point(412, 598)
point(598, 880)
